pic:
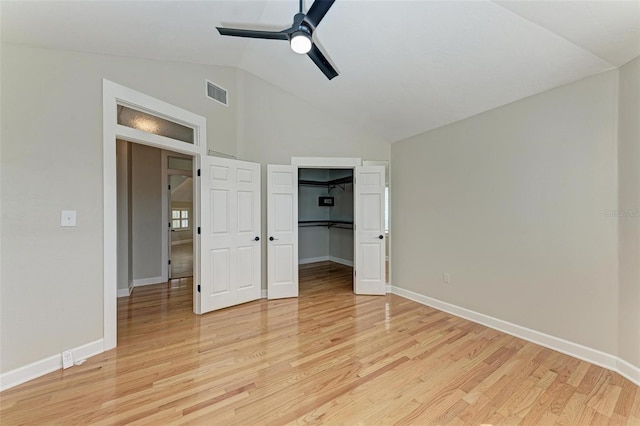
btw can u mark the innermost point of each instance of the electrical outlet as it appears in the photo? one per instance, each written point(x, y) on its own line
point(67, 359)
point(446, 278)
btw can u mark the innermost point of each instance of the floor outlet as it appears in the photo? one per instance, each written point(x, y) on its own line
point(67, 359)
point(446, 278)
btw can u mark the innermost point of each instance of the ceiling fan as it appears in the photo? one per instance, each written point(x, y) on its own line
point(299, 34)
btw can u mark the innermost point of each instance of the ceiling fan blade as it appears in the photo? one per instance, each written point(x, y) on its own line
point(322, 62)
point(269, 35)
point(319, 8)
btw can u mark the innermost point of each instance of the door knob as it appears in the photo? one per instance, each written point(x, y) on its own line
point(257, 239)
point(380, 237)
point(271, 238)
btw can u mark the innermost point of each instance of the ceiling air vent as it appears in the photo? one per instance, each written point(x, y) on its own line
point(217, 93)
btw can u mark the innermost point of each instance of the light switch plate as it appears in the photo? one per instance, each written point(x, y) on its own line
point(68, 218)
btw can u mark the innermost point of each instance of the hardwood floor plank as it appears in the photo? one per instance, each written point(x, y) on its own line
point(328, 357)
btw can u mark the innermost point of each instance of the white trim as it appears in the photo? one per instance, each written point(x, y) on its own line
point(389, 288)
point(628, 370)
point(326, 162)
point(341, 261)
point(263, 294)
point(566, 347)
point(125, 292)
point(308, 260)
point(112, 95)
point(177, 243)
point(47, 365)
point(140, 282)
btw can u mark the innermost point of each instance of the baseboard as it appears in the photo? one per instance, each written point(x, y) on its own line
point(47, 365)
point(147, 281)
point(341, 261)
point(264, 293)
point(389, 288)
point(594, 356)
point(176, 243)
point(628, 370)
point(124, 292)
point(313, 260)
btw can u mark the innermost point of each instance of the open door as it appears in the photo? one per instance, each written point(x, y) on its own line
point(282, 231)
point(369, 268)
point(230, 248)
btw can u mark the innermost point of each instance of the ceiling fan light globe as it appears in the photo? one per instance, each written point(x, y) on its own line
point(301, 42)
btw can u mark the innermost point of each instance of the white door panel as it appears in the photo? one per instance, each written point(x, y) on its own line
point(369, 269)
point(282, 231)
point(230, 215)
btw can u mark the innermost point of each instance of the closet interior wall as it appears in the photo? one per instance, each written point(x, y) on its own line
point(331, 236)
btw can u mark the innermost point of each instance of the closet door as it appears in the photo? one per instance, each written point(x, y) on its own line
point(369, 268)
point(282, 231)
point(230, 247)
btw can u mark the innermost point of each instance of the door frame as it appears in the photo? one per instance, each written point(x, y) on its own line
point(114, 94)
point(330, 163)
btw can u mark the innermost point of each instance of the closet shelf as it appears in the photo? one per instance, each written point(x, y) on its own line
point(328, 223)
point(330, 184)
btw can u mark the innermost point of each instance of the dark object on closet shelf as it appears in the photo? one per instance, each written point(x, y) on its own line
point(325, 201)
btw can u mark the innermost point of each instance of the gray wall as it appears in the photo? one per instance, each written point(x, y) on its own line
point(125, 257)
point(146, 209)
point(52, 112)
point(629, 211)
point(512, 203)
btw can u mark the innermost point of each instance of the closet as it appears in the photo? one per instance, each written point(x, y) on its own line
point(325, 216)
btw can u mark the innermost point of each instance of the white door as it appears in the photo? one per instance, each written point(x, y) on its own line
point(282, 231)
point(369, 268)
point(230, 246)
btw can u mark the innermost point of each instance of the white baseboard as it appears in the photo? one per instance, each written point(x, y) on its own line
point(325, 259)
point(124, 292)
point(175, 243)
point(575, 350)
point(389, 288)
point(147, 281)
point(312, 260)
point(341, 261)
point(47, 365)
point(264, 293)
point(629, 371)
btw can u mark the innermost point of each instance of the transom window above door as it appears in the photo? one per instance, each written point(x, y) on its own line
point(153, 124)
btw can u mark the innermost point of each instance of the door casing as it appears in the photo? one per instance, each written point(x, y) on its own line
point(114, 94)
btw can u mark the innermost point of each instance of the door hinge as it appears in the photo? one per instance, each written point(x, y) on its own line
point(169, 261)
point(198, 288)
point(198, 172)
point(169, 224)
point(169, 187)
point(354, 273)
point(198, 230)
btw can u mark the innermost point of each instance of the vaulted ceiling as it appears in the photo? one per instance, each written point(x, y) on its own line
point(405, 66)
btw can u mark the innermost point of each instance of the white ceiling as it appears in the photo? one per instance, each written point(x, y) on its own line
point(405, 66)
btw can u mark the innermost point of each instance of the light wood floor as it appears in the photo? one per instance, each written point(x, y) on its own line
point(329, 357)
point(182, 260)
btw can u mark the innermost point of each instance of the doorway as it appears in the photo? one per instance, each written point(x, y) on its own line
point(283, 227)
point(325, 220)
point(180, 212)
